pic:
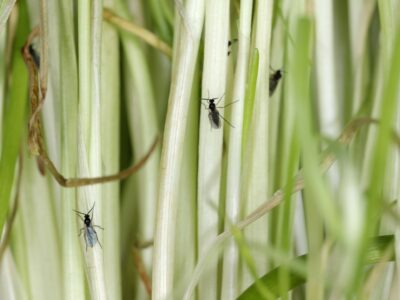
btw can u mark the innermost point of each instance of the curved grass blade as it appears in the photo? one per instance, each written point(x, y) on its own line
point(14, 116)
point(375, 252)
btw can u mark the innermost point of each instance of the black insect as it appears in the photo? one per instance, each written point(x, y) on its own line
point(35, 56)
point(274, 79)
point(213, 113)
point(90, 233)
point(230, 43)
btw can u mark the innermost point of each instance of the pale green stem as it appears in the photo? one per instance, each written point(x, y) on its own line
point(2, 78)
point(389, 15)
point(361, 13)
point(110, 145)
point(171, 158)
point(5, 11)
point(186, 235)
point(142, 120)
point(63, 67)
point(40, 234)
point(396, 193)
point(328, 102)
point(210, 140)
point(329, 119)
point(256, 170)
point(11, 286)
point(89, 140)
point(233, 186)
point(353, 212)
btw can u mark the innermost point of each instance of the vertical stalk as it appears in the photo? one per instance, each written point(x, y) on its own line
point(63, 68)
point(89, 140)
point(325, 64)
point(171, 157)
point(143, 127)
point(2, 78)
point(256, 172)
point(110, 145)
point(210, 140)
point(233, 186)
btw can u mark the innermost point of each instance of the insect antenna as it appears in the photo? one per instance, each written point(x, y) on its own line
point(91, 210)
point(228, 104)
point(78, 212)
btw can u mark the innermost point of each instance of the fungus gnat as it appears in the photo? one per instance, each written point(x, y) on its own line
point(230, 43)
point(90, 233)
point(213, 113)
point(35, 56)
point(274, 79)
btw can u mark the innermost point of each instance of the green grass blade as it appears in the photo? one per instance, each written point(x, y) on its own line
point(374, 253)
point(14, 115)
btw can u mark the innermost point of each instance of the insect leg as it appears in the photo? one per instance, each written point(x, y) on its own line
point(91, 210)
point(205, 106)
point(226, 121)
point(80, 231)
point(85, 239)
point(97, 239)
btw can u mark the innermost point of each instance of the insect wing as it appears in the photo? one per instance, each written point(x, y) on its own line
point(90, 236)
point(273, 81)
point(214, 118)
point(272, 86)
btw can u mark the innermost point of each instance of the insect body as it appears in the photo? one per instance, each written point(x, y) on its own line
point(230, 43)
point(35, 56)
point(90, 233)
point(213, 114)
point(274, 79)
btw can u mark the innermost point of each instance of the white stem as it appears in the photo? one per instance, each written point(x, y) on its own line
point(11, 286)
point(210, 140)
point(64, 84)
point(89, 142)
point(110, 147)
point(231, 257)
point(327, 90)
point(171, 158)
point(255, 183)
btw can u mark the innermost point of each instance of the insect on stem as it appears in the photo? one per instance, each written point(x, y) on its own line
point(213, 113)
point(90, 233)
point(274, 79)
point(230, 43)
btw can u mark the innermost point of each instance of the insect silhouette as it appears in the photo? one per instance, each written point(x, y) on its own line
point(230, 43)
point(35, 56)
point(90, 233)
point(274, 79)
point(213, 113)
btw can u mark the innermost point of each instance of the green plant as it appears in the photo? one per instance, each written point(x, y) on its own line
point(297, 199)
